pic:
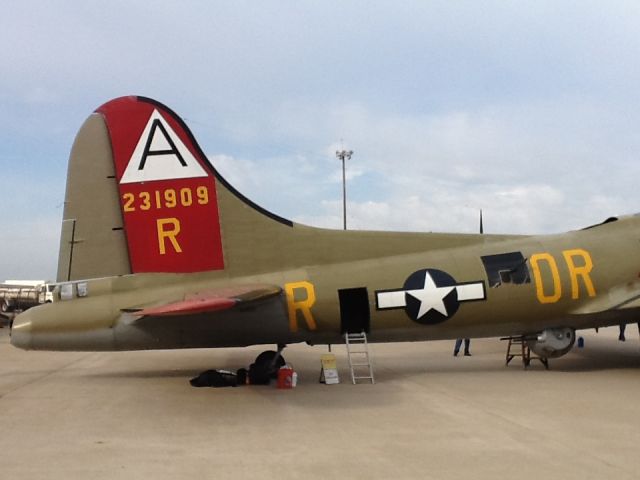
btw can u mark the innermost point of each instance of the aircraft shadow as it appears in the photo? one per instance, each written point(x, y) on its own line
point(599, 357)
point(595, 356)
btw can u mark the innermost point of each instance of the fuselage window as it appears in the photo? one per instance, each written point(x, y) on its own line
point(82, 289)
point(70, 290)
point(66, 291)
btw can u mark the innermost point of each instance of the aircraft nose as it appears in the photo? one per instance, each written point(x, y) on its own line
point(21, 331)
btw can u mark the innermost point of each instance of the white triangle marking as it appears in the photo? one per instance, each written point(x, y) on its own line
point(157, 159)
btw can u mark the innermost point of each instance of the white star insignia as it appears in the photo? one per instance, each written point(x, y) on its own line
point(431, 297)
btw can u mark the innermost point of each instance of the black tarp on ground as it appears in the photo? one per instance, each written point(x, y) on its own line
point(215, 378)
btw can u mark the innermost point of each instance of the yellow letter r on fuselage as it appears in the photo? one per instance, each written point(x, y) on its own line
point(303, 305)
point(581, 271)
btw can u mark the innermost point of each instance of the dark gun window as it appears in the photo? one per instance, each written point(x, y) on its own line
point(506, 268)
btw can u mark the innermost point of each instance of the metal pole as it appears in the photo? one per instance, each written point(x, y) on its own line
point(344, 196)
point(344, 155)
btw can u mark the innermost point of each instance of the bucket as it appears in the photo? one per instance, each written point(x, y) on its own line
point(285, 377)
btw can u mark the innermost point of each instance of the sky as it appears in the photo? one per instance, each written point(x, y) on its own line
point(529, 111)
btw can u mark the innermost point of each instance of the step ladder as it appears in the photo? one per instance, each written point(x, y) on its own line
point(518, 348)
point(358, 355)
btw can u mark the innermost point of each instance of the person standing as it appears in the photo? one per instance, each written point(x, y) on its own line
point(467, 343)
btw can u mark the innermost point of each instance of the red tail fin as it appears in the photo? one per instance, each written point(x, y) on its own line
point(167, 190)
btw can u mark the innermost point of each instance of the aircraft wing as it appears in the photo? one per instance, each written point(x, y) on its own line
point(622, 297)
point(209, 301)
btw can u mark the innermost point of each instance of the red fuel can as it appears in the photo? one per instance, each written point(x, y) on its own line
point(285, 377)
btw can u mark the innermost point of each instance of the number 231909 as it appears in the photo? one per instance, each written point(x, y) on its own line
point(169, 198)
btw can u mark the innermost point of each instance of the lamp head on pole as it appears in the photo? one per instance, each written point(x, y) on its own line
point(344, 154)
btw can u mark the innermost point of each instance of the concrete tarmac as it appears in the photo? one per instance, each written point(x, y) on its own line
point(430, 416)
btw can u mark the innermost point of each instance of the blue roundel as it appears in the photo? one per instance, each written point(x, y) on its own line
point(431, 296)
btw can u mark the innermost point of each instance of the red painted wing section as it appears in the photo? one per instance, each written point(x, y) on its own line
point(212, 301)
point(189, 307)
point(167, 190)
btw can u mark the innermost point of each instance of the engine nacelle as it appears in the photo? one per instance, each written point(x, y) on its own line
point(553, 342)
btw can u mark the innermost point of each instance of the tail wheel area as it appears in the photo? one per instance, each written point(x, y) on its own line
point(270, 362)
point(266, 366)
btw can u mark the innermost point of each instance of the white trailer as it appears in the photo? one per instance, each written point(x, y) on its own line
point(24, 294)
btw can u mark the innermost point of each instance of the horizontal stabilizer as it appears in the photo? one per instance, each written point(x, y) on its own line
point(210, 301)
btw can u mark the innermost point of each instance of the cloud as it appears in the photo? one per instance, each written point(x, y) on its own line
point(523, 111)
point(536, 168)
point(533, 168)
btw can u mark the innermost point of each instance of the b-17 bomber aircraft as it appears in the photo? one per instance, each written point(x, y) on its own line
point(159, 251)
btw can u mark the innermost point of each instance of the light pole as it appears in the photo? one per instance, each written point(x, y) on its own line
point(344, 155)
